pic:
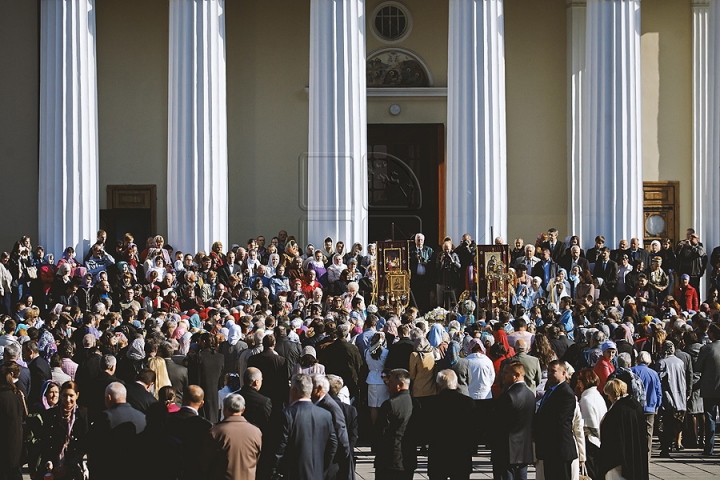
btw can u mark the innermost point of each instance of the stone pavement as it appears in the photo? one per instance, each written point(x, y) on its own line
point(686, 464)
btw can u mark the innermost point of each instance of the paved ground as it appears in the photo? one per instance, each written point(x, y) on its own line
point(687, 464)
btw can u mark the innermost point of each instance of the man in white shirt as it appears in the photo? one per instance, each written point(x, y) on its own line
point(482, 372)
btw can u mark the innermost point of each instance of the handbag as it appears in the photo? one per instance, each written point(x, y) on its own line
point(583, 473)
point(32, 272)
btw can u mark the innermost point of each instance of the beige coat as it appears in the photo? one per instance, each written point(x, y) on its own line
point(232, 449)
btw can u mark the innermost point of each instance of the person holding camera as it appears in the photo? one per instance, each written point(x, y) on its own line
point(448, 268)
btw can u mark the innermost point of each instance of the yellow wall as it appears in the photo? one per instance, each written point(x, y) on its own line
point(267, 71)
point(132, 66)
point(19, 116)
point(667, 97)
point(536, 92)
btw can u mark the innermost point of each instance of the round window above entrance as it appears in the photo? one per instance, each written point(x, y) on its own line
point(391, 22)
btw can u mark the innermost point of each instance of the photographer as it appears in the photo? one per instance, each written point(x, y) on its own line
point(466, 251)
point(99, 261)
point(448, 268)
point(691, 258)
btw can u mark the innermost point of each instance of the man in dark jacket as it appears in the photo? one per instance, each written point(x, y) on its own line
point(552, 425)
point(191, 429)
point(450, 459)
point(395, 458)
point(399, 352)
point(274, 372)
point(39, 370)
point(343, 359)
point(177, 373)
point(321, 398)
point(138, 392)
point(93, 397)
point(286, 348)
point(608, 271)
point(546, 268)
point(258, 407)
point(308, 442)
point(511, 445)
point(347, 469)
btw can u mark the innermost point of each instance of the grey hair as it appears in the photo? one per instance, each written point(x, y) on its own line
point(303, 383)
point(343, 330)
point(12, 351)
point(624, 360)
point(116, 391)
point(598, 337)
point(644, 357)
point(234, 403)
point(336, 383)
point(322, 382)
point(447, 380)
point(574, 248)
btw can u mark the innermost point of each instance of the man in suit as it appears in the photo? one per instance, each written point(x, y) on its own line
point(637, 252)
point(400, 351)
point(552, 426)
point(529, 259)
point(138, 392)
point(546, 268)
point(556, 247)
point(286, 348)
point(93, 398)
point(575, 259)
point(511, 444)
point(308, 443)
point(321, 389)
point(593, 255)
point(190, 428)
point(450, 459)
point(708, 364)
point(531, 365)
point(177, 373)
point(116, 428)
point(232, 447)
point(258, 407)
point(420, 257)
point(606, 269)
point(343, 358)
point(396, 457)
point(39, 370)
point(274, 372)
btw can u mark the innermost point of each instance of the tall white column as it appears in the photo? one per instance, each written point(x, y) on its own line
point(197, 126)
point(68, 165)
point(337, 140)
point(611, 185)
point(576, 13)
point(476, 168)
point(706, 123)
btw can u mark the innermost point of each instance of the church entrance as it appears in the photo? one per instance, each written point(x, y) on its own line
point(406, 181)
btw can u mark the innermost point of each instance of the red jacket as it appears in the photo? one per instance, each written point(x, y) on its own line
point(687, 298)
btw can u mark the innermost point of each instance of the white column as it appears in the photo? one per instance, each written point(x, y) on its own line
point(706, 123)
point(476, 169)
point(611, 178)
point(337, 140)
point(197, 126)
point(576, 12)
point(68, 165)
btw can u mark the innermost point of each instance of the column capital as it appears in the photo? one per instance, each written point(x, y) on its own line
point(576, 3)
point(701, 4)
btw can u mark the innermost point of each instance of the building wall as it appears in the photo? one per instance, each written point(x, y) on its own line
point(268, 67)
point(132, 70)
point(667, 97)
point(536, 98)
point(19, 117)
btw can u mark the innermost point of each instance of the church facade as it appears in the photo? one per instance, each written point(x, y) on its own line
point(212, 120)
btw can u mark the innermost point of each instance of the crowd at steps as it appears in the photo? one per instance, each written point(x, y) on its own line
point(271, 361)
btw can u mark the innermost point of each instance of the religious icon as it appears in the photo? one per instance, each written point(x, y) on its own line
point(397, 283)
point(392, 259)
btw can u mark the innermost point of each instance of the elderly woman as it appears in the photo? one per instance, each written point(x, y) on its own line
point(334, 270)
point(62, 445)
point(593, 409)
point(623, 443)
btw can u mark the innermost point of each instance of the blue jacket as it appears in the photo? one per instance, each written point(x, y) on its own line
point(653, 390)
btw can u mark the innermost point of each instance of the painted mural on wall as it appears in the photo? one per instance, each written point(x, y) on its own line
point(396, 68)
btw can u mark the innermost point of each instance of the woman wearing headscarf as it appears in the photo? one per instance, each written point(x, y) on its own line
point(68, 257)
point(536, 291)
point(317, 264)
point(457, 364)
point(62, 446)
point(375, 357)
point(232, 347)
point(205, 369)
point(422, 364)
point(130, 364)
point(390, 331)
point(334, 270)
point(50, 395)
point(279, 283)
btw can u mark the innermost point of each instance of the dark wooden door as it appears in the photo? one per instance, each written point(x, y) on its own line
point(405, 176)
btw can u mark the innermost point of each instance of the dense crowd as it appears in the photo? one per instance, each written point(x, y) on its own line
point(272, 361)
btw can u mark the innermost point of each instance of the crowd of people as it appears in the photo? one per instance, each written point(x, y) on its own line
point(272, 361)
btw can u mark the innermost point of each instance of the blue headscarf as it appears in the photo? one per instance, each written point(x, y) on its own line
point(435, 337)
